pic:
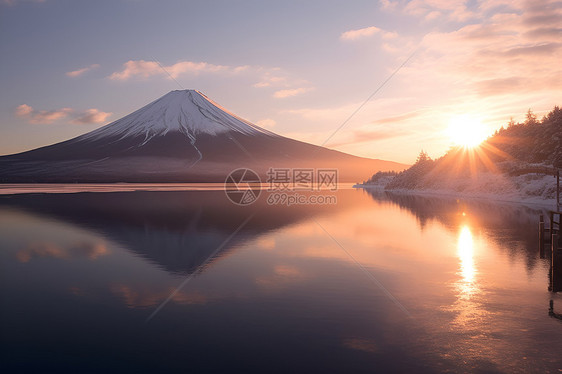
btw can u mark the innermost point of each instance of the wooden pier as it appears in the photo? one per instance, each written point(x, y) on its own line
point(550, 246)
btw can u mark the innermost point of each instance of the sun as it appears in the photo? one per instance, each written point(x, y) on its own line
point(466, 131)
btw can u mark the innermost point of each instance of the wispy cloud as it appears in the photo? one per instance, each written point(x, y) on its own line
point(282, 83)
point(509, 51)
point(41, 116)
point(269, 80)
point(331, 113)
point(79, 72)
point(91, 116)
point(360, 33)
point(23, 110)
point(50, 116)
point(366, 32)
point(363, 136)
point(455, 10)
point(281, 94)
point(146, 69)
point(398, 118)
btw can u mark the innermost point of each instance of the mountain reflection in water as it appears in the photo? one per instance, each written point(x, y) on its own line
point(82, 272)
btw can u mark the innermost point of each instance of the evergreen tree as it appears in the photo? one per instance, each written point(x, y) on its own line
point(423, 157)
point(531, 118)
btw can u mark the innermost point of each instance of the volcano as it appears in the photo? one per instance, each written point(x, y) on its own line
point(181, 137)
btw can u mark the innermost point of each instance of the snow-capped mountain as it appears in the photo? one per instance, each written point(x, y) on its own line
point(181, 137)
point(187, 112)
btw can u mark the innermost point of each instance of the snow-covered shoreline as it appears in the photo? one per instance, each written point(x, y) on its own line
point(511, 198)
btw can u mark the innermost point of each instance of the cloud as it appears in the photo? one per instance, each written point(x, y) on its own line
point(79, 72)
point(268, 77)
point(49, 116)
point(353, 35)
point(359, 33)
point(398, 118)
point(281, 94)
point(325, 114)
point(276, 77)
point(514, 49)
point(269, 80)
point(41, 116)
point(451, 10)
point(534, 50)
point(146, 69)
point(388, 4)
point(363, 136)
point(91, 116)
point(544, 32)
point(432, 15)
point(267, 123)
point(23, 110)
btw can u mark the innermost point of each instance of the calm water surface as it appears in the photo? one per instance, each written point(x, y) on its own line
point(375, 283)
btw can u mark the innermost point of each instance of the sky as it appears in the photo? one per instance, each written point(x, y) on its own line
point(297, 68)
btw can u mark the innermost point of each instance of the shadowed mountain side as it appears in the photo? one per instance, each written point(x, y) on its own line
point(517, 224)
point(170, 158)
point(177, 230)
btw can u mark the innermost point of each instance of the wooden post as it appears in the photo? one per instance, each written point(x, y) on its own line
point(558, 189)
point(554, 268)
point(541, 236)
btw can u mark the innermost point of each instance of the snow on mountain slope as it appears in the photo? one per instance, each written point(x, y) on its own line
point(186, 111)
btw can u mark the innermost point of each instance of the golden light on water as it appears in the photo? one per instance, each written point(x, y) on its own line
point(468, 304)
point(465, 250)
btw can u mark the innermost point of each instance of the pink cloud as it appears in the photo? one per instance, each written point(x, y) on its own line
point(79, 72)
point(281, 94)
point(549, 33)
point(41, 116)
point(91, 116)
point(359, 33)
point(49, 116)
point(496, 57)
point(363, 136)
point(432, 15)
point(388, 4)
point(23, 110)
point(277, 78)
point(269, 80)
point(146, 69)
point(455, 10)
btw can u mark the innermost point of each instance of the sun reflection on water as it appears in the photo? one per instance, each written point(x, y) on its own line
point(465, 250)
point(470, 313)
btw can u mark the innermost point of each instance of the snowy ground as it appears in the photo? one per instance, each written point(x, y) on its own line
point(529, 189)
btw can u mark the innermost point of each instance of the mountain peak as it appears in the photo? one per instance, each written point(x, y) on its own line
point(189, 112)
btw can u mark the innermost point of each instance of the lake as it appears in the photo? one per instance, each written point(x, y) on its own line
point(185, 280)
